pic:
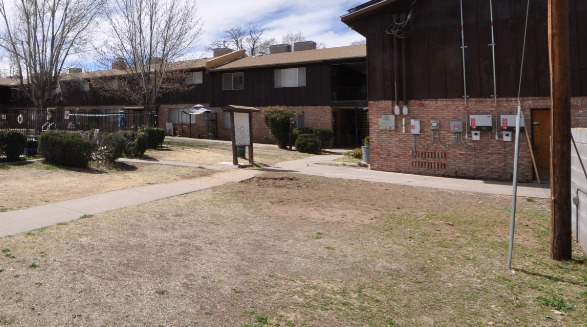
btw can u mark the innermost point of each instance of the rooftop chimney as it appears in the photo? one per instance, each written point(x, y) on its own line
point(221, 51)
point(279, 48)
point(119, 64)
point(304, 45)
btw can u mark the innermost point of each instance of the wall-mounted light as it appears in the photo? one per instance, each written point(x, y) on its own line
point(396, 110)
point(405, 110)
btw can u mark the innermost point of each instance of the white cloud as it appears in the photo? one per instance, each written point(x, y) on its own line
point(318, 21)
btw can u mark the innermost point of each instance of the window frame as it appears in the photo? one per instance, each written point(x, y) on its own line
point(237, 81)
point(281, 74)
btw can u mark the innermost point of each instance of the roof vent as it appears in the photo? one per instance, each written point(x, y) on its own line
point(221, 51)
point(74, 70)
point(304, 45)
point(279, 48)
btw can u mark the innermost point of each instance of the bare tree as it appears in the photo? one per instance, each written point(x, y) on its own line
point(40, 35)
point(241, 38)
point(291, 38)
point(146, 38)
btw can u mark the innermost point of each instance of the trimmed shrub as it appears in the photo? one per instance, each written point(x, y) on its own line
point(12, 144)
point(66, 149)
point(113, 147)
point(325, 136)
point(366, 141)
point(308, 143)
point(277, 120)
point(136, 144)
point(156, 136)
point(355, 153)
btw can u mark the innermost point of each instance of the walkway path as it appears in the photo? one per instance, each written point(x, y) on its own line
point(19, 221)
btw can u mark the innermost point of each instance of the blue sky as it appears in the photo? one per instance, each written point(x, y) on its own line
point(318, 20)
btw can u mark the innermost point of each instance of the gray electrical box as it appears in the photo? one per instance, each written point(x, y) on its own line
point(480, 122)
point(508, 123)
point(387, 122)
point(456, 126)
point(434, 125)
point(415, 126)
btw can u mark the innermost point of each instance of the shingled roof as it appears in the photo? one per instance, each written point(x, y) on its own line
point(298, 57)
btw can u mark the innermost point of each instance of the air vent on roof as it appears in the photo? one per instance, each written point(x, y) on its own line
point(74, 70)
point(304, 45)
point(221, 51)
point(279, 48)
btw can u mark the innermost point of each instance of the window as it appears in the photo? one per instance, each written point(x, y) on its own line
point(226, 119)
point(233, 81)
point(291, 77)
point(194, 78)
point(85, 85)
point(176, 117)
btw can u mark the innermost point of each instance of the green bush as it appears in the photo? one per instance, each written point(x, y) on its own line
point(366, 141)
point(12, 144)
point(308, 143)
point(113, 147)
point(325, 136)
point(156, 136)
point(277, 120)
point(355, 153)
point(136, 144)
point(68, 149)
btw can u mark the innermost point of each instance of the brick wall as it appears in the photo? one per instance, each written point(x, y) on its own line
point(316, 116)
point(394, 150)
point(579, 186)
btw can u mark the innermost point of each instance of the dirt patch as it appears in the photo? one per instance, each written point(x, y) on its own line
point(294, 250)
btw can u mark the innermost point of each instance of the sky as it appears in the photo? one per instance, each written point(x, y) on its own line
point(318, 20)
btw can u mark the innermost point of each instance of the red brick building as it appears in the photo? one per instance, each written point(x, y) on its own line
point(437, 103)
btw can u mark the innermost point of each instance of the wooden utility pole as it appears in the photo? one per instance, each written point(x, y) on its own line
point(560, 157)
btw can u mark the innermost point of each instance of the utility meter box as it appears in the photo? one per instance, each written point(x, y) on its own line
point(508, 123)
point(434, 125)
point(480, 122)
point(507, 136)
point(456, 126)
point(415, 126)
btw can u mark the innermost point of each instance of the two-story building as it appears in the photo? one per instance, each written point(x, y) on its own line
point(445, 78)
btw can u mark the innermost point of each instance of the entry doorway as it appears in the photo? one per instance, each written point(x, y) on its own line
point(350, 125)
point(541, 135)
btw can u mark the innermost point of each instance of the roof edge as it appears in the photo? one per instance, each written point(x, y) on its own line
point(225, 59)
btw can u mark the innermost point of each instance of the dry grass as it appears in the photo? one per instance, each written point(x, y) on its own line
point(291, 250)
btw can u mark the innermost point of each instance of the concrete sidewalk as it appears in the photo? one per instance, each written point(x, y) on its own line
point(20, 221)
point(323, 166)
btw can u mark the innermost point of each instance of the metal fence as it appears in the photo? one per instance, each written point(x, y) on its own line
point(32, 122)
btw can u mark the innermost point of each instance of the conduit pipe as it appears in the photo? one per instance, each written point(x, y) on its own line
point(395, 75)
point(463, 47)
point(494, 70)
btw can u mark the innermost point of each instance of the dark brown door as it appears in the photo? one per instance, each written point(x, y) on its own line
point(541, 133)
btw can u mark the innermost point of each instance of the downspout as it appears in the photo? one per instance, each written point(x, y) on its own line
point(404, 74)
point(395, 73)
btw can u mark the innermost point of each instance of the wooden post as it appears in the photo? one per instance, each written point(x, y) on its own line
point(251, 161)
point(233, 136)
point(560, 158)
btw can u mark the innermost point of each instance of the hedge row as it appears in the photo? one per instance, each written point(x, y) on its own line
point(12, 144)
point(77, 149)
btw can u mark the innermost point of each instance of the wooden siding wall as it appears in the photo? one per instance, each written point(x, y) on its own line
point(259, 89)
point(434, 58)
